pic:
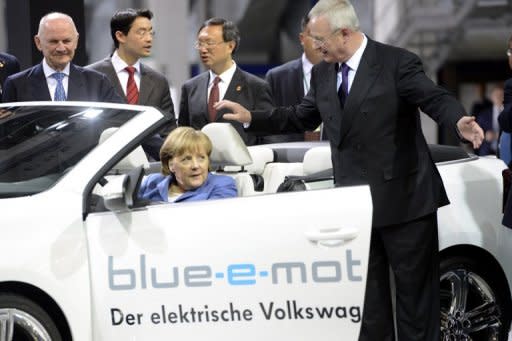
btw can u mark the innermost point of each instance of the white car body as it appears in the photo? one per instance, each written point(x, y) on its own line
point(288, 266)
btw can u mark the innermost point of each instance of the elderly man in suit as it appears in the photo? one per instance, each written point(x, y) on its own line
point(217, 40)
point(56, 77)
point(8, 65)
point(290, 82)
point(132, 33)
point(367, 94)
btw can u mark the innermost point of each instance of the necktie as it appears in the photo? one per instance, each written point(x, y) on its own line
point(343, 89)
point(214, 97)
point(132, 93)
point(60, 94)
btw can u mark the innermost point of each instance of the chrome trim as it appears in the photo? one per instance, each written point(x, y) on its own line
point(471, 308)
point(13, 319)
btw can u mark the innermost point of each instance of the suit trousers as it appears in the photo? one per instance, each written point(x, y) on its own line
point(411, 251)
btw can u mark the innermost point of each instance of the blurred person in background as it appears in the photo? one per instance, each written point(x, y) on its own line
point(488, 120)
point(9, 65)
point(289, 82)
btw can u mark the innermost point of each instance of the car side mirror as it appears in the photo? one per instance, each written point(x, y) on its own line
point(120, 193)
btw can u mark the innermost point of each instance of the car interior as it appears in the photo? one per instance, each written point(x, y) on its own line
point(257, 170)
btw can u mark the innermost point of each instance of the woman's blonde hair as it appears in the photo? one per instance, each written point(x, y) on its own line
point(180, 141)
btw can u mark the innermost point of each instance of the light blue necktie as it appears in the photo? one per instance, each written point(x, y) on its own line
point(60, 94)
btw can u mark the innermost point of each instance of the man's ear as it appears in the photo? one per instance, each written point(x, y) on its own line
point(120, 36)
point(37, 41)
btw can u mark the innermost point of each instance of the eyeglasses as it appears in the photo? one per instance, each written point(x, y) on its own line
point(208, 44)
point(509, 52)
point(142, 32)
point(321, 41)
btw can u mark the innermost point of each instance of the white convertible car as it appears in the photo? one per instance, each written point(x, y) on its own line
point(82, 258)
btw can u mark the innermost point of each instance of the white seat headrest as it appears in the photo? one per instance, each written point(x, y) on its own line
point(136, 158)
point(228, 146)
point(317, 159)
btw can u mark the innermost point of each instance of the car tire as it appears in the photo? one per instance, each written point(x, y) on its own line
point(25, 320)
point(482, 316)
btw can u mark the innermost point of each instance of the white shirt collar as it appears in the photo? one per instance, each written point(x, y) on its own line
point(120, 65)
point(354, 61)
point(225, 77)
point(306, 65)
point(48, 70)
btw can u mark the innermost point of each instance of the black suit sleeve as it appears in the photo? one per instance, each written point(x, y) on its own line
point(167, 107)
point(183, 117)
point(107, 93)
point(9, 93)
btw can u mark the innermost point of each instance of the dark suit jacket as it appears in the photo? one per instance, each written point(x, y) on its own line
point(8, 65)
point(154, 91)
point(377, 137)
point(83, 85)
point(154, 87)
point(246, 89)
point(287, 86)
point(505, 121)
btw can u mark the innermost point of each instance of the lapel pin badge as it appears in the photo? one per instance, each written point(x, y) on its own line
point(2, 63)
point(238, 88)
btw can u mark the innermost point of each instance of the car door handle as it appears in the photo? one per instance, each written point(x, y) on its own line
point(333, 235)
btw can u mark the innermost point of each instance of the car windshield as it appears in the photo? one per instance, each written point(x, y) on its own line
point(39, 144)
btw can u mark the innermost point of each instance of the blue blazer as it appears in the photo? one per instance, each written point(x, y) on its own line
point(155, 187)
point(83, 85)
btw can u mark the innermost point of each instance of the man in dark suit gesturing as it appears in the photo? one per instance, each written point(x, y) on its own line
point(367, 94)
point(132, 33)
point(56, 78)
point(217, 40)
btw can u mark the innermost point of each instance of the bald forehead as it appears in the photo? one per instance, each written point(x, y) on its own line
point(56, 19)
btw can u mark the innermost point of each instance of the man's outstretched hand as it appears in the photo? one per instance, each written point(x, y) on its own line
point(470, 130)
point(236, 111)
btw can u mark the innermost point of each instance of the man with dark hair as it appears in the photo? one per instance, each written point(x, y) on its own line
point(289, 82)
point(136, 82)
point(56, 77)
point(217, 41)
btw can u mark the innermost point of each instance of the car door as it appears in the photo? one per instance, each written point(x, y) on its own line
point(287, 266)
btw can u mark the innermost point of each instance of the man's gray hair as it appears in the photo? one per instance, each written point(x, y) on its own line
point(339, 13)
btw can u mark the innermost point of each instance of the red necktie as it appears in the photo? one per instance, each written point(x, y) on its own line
point(214, 97)
point(132, 93)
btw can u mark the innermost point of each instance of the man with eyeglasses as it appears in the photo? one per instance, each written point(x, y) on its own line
point(56, 77)
point(217, 41)
point(368, 94)
point(132, 33)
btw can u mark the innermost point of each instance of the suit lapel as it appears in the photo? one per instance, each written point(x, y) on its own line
point(235, 88)
point(298, 81)
point(39, 85)
point(146, 85)
point(366, 75)
point(76, 85)
point(200, 97)
point(111, 74)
